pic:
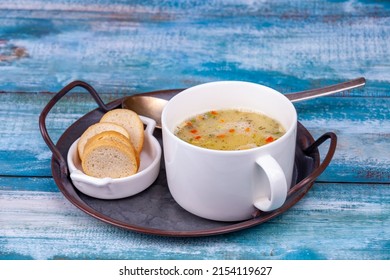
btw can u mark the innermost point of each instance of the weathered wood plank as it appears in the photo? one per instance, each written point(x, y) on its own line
point(124, 48)
point(334, 221)
point(362, 126)
point(363, 129)
point(22, 150)
point(162, 44)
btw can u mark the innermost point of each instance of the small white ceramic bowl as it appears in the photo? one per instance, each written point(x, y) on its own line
point(108, 188)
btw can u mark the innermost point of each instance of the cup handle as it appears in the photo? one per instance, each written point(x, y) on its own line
point(277, 184)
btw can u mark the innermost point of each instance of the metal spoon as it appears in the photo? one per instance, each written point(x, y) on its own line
point(152, 107)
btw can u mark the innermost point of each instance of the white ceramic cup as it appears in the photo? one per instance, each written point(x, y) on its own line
point(229, 185)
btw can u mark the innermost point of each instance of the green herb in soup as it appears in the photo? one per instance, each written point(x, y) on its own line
point(230, 130)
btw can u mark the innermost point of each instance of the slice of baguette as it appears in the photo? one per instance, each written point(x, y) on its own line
point(96, 129)
point(131, 122)
point(112, 136)
point(109, 158)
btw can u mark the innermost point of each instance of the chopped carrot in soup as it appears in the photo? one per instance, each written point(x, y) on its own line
point(230, 130)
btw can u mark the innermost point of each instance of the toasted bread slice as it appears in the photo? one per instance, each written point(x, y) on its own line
point(109, 158)
point(96, 129)
point(131, 122)
point(112, 136)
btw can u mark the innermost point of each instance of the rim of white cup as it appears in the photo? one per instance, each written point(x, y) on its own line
point(289, 131)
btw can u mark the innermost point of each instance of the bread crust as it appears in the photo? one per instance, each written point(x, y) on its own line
point(112, 147)
point(95, 129)
point(131, 122)
point(109, 158)
point(113, 136)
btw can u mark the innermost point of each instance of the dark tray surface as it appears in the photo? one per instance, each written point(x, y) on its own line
point(154, 211)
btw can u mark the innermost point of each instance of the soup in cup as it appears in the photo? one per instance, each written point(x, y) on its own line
point(229, 184)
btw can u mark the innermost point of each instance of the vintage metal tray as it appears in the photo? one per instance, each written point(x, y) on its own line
point(154, 211)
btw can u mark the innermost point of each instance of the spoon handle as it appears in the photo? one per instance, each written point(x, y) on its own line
point(309, 94)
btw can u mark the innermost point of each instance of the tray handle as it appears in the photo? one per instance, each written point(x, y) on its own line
point(317, 172)
point(42, 118)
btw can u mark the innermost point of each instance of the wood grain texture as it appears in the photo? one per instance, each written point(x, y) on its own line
point(126, 47)
point(332, 222)
point(362, 126)
point(172, 44)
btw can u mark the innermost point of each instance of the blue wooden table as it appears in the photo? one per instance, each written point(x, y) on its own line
point(127, 47)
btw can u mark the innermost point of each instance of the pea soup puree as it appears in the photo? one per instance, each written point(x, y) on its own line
point(229, 130)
